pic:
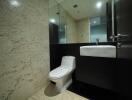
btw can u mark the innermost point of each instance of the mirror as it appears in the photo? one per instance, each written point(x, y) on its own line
point(79, 21)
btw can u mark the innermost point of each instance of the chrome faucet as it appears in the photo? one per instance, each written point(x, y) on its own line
point(97, 41)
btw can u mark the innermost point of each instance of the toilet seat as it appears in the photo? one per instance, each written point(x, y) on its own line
point(58, 72)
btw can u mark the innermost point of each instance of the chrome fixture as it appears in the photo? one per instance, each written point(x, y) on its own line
point(118, 36)
point(97, 41)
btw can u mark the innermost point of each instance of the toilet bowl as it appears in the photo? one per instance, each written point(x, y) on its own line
point(62, 75)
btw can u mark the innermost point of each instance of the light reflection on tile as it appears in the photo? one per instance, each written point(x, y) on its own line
point(65, 95)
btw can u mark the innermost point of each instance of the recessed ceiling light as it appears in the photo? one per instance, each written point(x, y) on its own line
point(75, 6)
point(99, 5)
point(57, 13)
point(94, 22)
point(14, 3)
point(52, 20)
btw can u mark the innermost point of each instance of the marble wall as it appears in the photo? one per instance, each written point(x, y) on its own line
point(71, 30)
point(83, 30)
point(24, 48)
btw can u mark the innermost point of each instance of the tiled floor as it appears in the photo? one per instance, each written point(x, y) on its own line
point(50, 93)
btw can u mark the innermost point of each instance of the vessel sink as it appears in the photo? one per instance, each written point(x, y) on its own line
point(108, 51)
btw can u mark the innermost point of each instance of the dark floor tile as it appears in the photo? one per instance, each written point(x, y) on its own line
point(94, 93)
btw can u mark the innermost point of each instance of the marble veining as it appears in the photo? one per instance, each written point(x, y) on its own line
point(24, 48)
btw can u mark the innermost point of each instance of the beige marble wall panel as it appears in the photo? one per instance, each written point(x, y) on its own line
point(71, 32)
point(24, 48)
point(83, 30)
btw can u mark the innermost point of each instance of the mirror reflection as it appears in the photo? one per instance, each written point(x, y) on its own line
point(78, 21)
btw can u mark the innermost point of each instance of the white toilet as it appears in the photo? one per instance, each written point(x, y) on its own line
point(62, 75)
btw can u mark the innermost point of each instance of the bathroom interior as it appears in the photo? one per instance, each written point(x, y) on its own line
point(65, 49)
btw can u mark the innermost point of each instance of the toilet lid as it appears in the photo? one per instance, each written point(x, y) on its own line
point(58, 72)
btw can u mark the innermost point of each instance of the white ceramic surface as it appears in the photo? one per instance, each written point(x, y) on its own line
point(62, 75)
point(108, 51)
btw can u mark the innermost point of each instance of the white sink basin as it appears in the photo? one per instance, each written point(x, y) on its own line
point(98, 51)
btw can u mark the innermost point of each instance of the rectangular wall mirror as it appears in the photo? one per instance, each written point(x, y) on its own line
point(79, 21)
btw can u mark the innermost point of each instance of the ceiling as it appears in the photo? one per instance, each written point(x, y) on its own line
point(86, 8)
